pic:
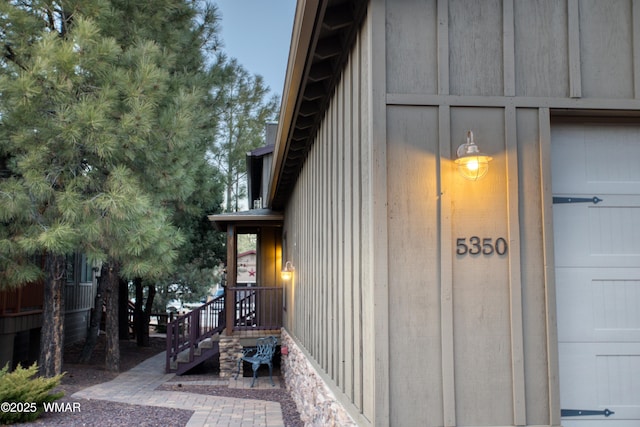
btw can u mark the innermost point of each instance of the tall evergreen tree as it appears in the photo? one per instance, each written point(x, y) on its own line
point(244, 110)
point(101, 129)
point(190, 30)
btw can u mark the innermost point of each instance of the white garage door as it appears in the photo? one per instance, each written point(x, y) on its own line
point(597, 256)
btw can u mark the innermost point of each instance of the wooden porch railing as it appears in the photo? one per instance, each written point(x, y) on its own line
point(26, 299)
point(253, 308)
point(186, 331)
point(257, 308)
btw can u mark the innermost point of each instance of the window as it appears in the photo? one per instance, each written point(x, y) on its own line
point(85, 270)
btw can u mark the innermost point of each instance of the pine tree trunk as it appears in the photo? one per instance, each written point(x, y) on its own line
point(112, 357)
point(143, 313)
point(96, 318)
point(147, 314)
point(139, 318)
point(123, 309)
point(138, 314)
point(229, 188)
point(52, 333)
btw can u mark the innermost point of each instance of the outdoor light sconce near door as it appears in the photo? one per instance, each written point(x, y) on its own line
point(472, 164)
point(287, 271)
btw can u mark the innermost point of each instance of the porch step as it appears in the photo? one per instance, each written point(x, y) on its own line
point(206, 349)
point(202, 345)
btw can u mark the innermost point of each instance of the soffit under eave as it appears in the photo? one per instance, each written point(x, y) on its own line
point(324, 34)
point(247, 219)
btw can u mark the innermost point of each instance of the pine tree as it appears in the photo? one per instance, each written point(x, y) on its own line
point(243, 113)
point(189, 31)
point(102, 136)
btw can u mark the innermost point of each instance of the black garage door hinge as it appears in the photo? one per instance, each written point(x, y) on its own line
point(584, 412)
point(595, 200)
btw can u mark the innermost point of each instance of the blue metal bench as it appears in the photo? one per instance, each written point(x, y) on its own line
point(261, 355)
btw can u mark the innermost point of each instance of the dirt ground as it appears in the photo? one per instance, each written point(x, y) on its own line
point(79, 376)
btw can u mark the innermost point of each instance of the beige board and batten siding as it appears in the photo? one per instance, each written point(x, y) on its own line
point(327, 229)
point(473, 339)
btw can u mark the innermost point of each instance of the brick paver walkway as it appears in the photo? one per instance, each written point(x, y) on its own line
point(139, 385)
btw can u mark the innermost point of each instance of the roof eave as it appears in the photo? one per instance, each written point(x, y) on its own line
point(323, 35)
point(249, 219)
point(301, 38)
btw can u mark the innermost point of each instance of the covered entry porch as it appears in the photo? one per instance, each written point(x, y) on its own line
point(267, 226)
point(243, 313)
point(251, 312)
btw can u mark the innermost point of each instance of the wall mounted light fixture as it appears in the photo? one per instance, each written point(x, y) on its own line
point(287, 271)
point(472, 164)
point(97, 268)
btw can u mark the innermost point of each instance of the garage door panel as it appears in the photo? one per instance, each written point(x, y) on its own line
point(578, 422)
point(571, 244)
point(597, 259)
point(602, 235)
point(583, 156)
point(574, 307)
point(598, 304)
point(599, 376)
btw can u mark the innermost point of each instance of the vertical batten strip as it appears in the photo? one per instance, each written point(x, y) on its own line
point(367, 340)
point(311, 247)
point(321, 293)
point(635, 28)
point(443, 47)
point(335, 235)
point(377, 189)
point(303, 279)
point(446, 269)
point(509, 49)
point(349, 282)
point(338, 211)
point(290, 249)
point(341, 240)
point(317, 250)
point(298, 246)
point(515, 277)
point(327, 287)
point(359, 121)
point(549, 272)
point(330, 264)
point(575, 76)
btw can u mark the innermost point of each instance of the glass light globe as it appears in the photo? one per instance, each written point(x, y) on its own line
point(472, 164)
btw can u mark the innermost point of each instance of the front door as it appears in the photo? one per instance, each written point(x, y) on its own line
point(596, 221)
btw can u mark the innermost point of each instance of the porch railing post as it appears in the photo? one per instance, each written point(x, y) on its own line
point(232, 272)
point(169, 345)
point(229, 309)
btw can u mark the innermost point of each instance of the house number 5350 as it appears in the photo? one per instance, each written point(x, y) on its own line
point(475, 245)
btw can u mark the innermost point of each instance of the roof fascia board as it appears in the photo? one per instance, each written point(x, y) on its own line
point(306, 17)
point(252, 218)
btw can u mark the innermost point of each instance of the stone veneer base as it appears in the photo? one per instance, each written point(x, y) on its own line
point(230, 351)
point(316, 403)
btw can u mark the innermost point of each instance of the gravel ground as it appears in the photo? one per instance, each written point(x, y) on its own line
point(101, 413)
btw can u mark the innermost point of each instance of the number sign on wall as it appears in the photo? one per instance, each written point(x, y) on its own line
point(485, 246)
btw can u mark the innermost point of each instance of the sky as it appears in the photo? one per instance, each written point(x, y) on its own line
point(258, 34)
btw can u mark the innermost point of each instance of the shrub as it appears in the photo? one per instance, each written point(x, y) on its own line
point(22, 394)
